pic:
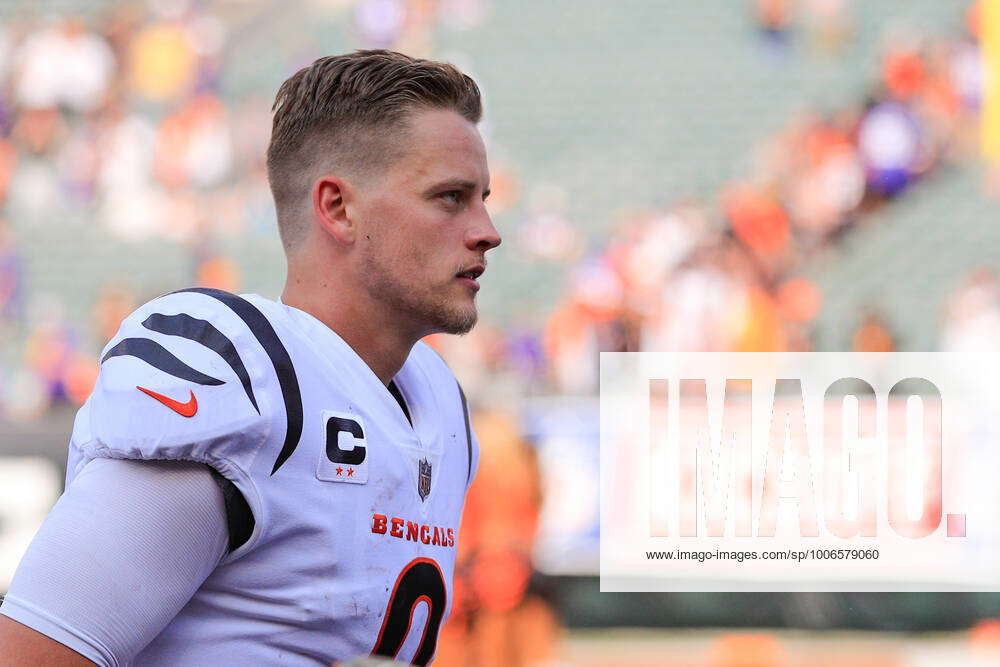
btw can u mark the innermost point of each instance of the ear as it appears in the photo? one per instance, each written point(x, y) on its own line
point(330, 197)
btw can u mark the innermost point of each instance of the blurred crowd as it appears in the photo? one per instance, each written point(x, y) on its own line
point(731, 274)
point(121, 123)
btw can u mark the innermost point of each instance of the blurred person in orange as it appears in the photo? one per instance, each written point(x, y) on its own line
point(758, 219)
point(219, 272)
point(586, 323)
point(873, 334)
point(758, 325)
point(499, 620)
point(903, 72)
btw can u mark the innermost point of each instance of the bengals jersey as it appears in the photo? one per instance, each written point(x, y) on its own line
point(356, 502)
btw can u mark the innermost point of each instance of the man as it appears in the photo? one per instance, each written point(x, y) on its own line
point(256, 482)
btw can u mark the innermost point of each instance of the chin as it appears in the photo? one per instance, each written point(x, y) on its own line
point(457, 321)
point(460, 327)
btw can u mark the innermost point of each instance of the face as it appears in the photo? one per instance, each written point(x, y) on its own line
point(423, 226)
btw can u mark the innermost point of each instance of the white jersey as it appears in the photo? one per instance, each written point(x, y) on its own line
point(356, 511)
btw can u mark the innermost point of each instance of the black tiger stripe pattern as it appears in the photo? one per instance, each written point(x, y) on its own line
point(159, 357)
point(282, 362)
point(205, 333)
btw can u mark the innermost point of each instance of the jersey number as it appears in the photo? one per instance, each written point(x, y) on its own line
point(420, 581)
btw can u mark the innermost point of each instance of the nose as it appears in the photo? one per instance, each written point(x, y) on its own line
point(482, 235)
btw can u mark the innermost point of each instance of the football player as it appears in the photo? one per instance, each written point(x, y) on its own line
point(259, 482)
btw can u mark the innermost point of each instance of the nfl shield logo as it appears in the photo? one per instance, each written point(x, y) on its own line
point(424, 479)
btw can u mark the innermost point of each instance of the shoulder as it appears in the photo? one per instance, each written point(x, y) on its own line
point(428, 359)
point(206, 326)
point(440, 377)
point(438, 373)
point(188, 375)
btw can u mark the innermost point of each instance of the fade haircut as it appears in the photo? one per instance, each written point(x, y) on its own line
point(345, 112)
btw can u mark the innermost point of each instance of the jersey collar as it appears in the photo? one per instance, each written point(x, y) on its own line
point(329, 344)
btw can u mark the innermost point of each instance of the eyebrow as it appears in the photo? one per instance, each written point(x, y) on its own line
point(456, 183)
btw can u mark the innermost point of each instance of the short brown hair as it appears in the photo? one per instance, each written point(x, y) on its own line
point(337, 111)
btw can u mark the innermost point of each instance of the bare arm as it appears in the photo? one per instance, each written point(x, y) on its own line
point(20, 646)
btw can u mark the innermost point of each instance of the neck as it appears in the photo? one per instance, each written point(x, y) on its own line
point(374, 336)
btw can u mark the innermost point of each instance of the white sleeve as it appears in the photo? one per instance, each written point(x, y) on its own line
point(121, 553)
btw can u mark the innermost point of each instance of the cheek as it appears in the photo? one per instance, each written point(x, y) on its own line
point(426, 242)
point(411, 242)
point(405, 253)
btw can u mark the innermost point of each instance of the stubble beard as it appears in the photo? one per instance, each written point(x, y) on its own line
point(426, 308)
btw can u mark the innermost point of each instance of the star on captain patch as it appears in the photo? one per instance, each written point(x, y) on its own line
point(424, 478)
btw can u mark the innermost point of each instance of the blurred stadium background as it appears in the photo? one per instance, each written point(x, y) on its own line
point(732, 175)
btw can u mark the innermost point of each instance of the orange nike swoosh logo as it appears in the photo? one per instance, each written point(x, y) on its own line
point(183, 409)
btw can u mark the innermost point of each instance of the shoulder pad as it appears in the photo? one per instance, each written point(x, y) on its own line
point(185, 377)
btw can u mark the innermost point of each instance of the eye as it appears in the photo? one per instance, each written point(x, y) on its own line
point(452, 197)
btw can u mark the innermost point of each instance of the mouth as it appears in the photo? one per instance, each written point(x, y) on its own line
point(469, 276)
